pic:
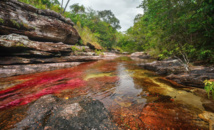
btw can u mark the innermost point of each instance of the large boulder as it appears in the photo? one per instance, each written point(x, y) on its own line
point(52, 113)
point(39, 25)
point(165, 67)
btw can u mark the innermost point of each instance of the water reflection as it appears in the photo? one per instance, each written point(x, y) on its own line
point(136, 98)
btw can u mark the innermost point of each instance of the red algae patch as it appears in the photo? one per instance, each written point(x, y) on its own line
point(39, 85)
point(108, 67)
point(156, 116)
point(23, 100)
point(137, 99)
point(100, 82)
point(171, 116)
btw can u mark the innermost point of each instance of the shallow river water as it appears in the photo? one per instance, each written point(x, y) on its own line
point(136, 98)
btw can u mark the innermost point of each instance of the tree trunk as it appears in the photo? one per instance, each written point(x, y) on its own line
point(61, 7)
point(65, 6)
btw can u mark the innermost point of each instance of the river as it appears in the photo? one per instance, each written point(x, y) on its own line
point(136, 98)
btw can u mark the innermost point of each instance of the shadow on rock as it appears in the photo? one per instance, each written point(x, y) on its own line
point(50, 112)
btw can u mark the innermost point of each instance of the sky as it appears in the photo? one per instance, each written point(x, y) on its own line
point(124, 10)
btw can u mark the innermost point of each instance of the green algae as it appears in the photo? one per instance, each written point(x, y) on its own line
point(151, 83)
point(1, 21)
point(139, 73)
point(178, 95)
point(97, 75)
point(15, 23)
point(122, 102)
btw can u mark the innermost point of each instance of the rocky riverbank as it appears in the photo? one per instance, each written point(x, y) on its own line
point(34, 40)
point(175, 71)
point(50, 112)
point(39, 25)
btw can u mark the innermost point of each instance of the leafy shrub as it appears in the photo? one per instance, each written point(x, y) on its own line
point(87, 35)
point(15, 23)
point(83, 49)
point(209, 87)
point(99, 52)
point(74, 48)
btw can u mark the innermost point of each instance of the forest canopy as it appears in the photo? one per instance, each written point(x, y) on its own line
point(168, 28)
point(96, 27)
point(180, 28)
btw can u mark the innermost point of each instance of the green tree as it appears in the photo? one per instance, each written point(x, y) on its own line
point(179, 28)
point(77, 9)
point(109, 17)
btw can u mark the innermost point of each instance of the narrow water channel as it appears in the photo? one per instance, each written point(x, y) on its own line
point(136, 98)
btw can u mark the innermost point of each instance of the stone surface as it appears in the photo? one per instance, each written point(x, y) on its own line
point(12, 70)
point(208, 104)
point(173, 70)
point(21, 60)
point(39, 25)
point(15, 43)
point(50, 112)
point(24, 56)
point(142, 55)
point(209, 117)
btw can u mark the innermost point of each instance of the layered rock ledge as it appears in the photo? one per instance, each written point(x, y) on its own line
point(12, 70)
point(175, 71)
point(40, 25)
point(19, 55)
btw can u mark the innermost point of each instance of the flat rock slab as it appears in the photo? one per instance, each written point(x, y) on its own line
point(20, 45)
point(21, 60)
point(12, 70)
point(50, 113)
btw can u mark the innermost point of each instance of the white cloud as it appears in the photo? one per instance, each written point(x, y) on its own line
point(124, 10)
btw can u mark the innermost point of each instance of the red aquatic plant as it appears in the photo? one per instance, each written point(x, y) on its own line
point(70, 84)
point(39, 85)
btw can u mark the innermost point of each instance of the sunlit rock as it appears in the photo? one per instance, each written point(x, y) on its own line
point(40, 25)
point(142, 55)
point(50, 112)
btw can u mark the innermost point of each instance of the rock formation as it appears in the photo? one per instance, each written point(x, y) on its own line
point(31, 38)
point(173, 70)
point(39, 25)
point(142, 55)
point(50, 112)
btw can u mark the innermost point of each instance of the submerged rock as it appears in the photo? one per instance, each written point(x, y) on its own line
point(50, 112)
point(122, 102)
point(209, 117)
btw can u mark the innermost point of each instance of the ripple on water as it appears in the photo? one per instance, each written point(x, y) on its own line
point(136, 98)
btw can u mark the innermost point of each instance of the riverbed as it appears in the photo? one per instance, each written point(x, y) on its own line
point(136, 98)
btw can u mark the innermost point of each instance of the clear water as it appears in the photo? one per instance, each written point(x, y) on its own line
point(136, 98)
